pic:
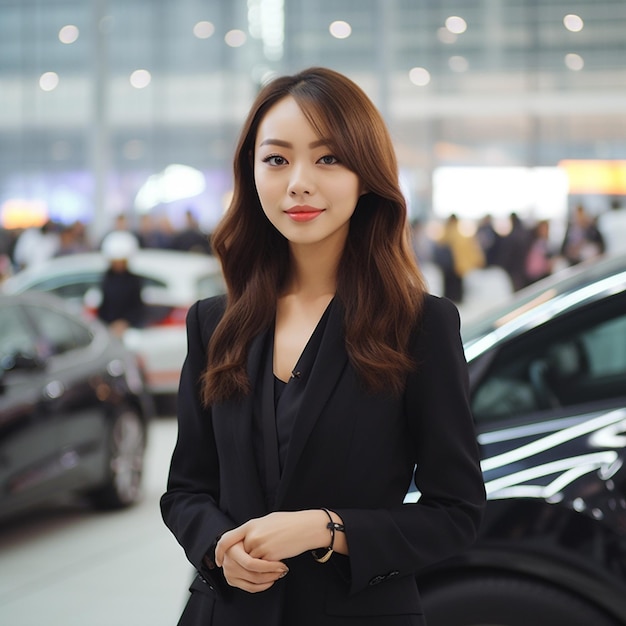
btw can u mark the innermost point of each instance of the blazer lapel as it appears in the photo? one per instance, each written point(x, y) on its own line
point(242, 429)
point(327, 367)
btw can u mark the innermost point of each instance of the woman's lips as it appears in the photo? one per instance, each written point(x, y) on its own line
point(303, 213)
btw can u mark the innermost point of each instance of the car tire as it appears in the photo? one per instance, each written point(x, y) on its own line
point(125, 461)
point(496, 600)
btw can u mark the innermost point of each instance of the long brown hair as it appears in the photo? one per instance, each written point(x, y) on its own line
point(378, 281)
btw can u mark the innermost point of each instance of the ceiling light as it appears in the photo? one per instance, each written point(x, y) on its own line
point(203, 30)
point(68, 34)
point(235, 38)
point(574, 62)
point(49, 81)
point(140, 79)
point(419, 76)
point(456, 24)
point(340, 29)
point(573, 23)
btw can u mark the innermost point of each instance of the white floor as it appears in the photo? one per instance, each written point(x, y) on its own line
point(74, 567)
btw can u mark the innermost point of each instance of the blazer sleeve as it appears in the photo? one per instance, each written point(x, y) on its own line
point(387, 543)
point(190, 503)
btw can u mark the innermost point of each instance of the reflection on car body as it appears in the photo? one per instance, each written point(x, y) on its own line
point(73, 411)
point(548, 389)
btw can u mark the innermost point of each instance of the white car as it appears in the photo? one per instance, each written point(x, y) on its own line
point(172, 281)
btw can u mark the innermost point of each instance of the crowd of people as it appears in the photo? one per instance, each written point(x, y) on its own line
point(28, 247)
point(120, 302)
point(526, 251)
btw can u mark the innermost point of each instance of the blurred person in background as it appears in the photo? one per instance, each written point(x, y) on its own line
point(458, 254)
point(121, 224)
point(315, 387)
point(513, 251)
point(612, 227)
point(72, 239)
point(36, 245)
point(121, 304)
point(154, 233)
point(540, 255)
point(191, 238)
point(582, 240)
point(489, 240)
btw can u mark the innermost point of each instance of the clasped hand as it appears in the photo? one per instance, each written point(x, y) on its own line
point(251, 555)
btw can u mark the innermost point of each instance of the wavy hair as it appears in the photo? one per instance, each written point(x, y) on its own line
point(378, 281)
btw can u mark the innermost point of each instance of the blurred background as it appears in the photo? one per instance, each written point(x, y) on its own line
point(133, 106)
point(509, 121)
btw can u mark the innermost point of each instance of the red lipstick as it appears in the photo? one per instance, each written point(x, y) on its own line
point(303, 213)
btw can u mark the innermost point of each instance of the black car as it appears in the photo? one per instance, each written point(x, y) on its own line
point(73, 411)
point(548, 389)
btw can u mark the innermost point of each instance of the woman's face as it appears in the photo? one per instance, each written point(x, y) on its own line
point(305, 192)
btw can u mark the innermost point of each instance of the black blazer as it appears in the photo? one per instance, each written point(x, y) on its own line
point(350, 451)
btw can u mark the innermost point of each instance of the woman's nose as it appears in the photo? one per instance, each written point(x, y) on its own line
point(301, 182)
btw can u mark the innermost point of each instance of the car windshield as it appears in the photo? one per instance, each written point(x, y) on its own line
point(561, 283)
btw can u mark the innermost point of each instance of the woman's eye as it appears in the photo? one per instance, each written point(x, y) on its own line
point(274, 159)
point(329, 159)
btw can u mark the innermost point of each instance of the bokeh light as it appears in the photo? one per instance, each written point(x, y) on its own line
point(419, 76)
point(68, 34)
point(573, 23)
point(456, 24)
point(340, 29)
point(203, 30)
point(235, 38)
point(574, 62)
point(458, 64)
point(140, 79)
point(49, 81)
point(445, 36)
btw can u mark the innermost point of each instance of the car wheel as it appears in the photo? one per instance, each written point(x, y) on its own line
point(507, 601)
point(126, 448)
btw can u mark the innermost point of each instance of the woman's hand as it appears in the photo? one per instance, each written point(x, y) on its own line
point(281, 535)
point(285, 534)
point(244, 571)
point(251, 555)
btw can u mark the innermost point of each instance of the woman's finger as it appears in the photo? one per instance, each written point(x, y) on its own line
point(227, 540)
point(253, 575)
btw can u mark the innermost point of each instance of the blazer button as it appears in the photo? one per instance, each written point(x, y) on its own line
point(376, 580)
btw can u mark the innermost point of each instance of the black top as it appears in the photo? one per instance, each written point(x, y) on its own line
point(277, 405)
point(121, 298)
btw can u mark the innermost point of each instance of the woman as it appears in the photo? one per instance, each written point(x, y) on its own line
point(582, 240)
point(121, 305)
point(311, 391)
point(540, 256)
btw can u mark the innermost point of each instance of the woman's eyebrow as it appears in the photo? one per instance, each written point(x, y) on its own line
point(287, 144)
point(276, 142)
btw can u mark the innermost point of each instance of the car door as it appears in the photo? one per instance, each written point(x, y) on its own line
point(28, 430)
point(76, 387)
point(550, 405)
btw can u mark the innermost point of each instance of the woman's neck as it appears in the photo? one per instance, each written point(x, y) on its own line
point(313, 273)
